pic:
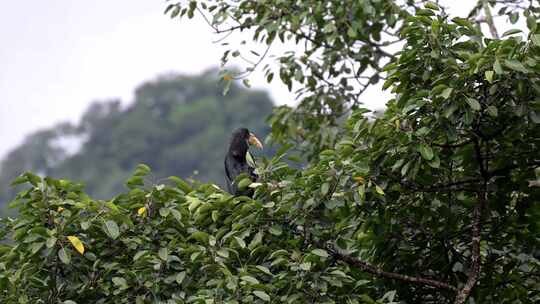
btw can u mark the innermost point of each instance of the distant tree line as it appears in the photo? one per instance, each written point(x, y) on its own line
point(179, 125)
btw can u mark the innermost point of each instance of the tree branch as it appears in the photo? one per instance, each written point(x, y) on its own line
point(474, 272)
point(366, 267)
point(440, 187)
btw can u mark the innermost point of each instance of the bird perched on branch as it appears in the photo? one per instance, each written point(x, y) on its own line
point(236, 162)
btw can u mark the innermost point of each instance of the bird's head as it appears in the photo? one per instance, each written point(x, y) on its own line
point(241, 140)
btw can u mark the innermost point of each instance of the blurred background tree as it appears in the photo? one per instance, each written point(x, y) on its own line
point(178, 124)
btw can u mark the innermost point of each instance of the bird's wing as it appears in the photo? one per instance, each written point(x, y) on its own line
point(228, 176)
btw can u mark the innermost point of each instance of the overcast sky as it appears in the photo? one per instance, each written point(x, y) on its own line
point(57, 56)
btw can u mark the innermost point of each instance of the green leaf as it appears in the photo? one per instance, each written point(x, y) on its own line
point(462, 22)
point(139, 254)
point(514, 17)
point(64, 256)
point(351, 32)
point(390, 295)
point(35, 247)
point(446, 93)
point(164, 212)
point(432, 6)
point(257, 239)
point(276, 230)
point(320, 252)
point(511, 32)
point(264, 269)
point(134, 182)
point(425, 151)
point(305, 266)
point(180, 277)
point(492, 111)
point(240, 242)
point(85, 225)
point(244, 183)
point(515, 65)
point(215, 215)
point(223, 253)
point(269, 77)
point(532, 23)
point(497, 67)
point(249, 279)
point(473, 103)
point(120, 282)
point(535, 39)
point(435, 162)
point(111, 229)
point(177, 215)
point(21, 179)
point(163, 253)
point(449, 110)
point(180, 183)
point(51, 242)
point(325, 188)
point(141, 170)
point(262, 295)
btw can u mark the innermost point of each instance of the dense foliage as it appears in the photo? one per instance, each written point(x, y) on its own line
point(180, 125)
point(436, 201)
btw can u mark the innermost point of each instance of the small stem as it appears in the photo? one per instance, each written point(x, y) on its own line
point(489, 20)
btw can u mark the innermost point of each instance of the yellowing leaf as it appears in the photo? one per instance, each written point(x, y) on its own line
point(60, 209)
point(359, 179)
point(227, 77)
point(141, 211)
point(379, 190)
point(76, 243)
point(489, 76)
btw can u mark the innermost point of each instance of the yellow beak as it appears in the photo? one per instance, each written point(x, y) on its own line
point(253, 140)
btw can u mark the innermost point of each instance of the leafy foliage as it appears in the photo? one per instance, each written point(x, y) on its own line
point(435, 201)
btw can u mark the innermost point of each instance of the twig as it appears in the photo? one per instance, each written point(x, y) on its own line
point(489, 20)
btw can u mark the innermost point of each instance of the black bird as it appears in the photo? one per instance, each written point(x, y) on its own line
point(235, 161)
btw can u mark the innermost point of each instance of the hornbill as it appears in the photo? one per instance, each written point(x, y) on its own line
point(235, 161)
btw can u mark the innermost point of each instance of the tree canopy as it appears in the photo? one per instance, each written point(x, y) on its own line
point(435, 201)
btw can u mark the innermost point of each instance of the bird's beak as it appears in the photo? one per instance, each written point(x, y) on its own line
point(253, 140)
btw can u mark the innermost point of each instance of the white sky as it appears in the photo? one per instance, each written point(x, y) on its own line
point(57, 56)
